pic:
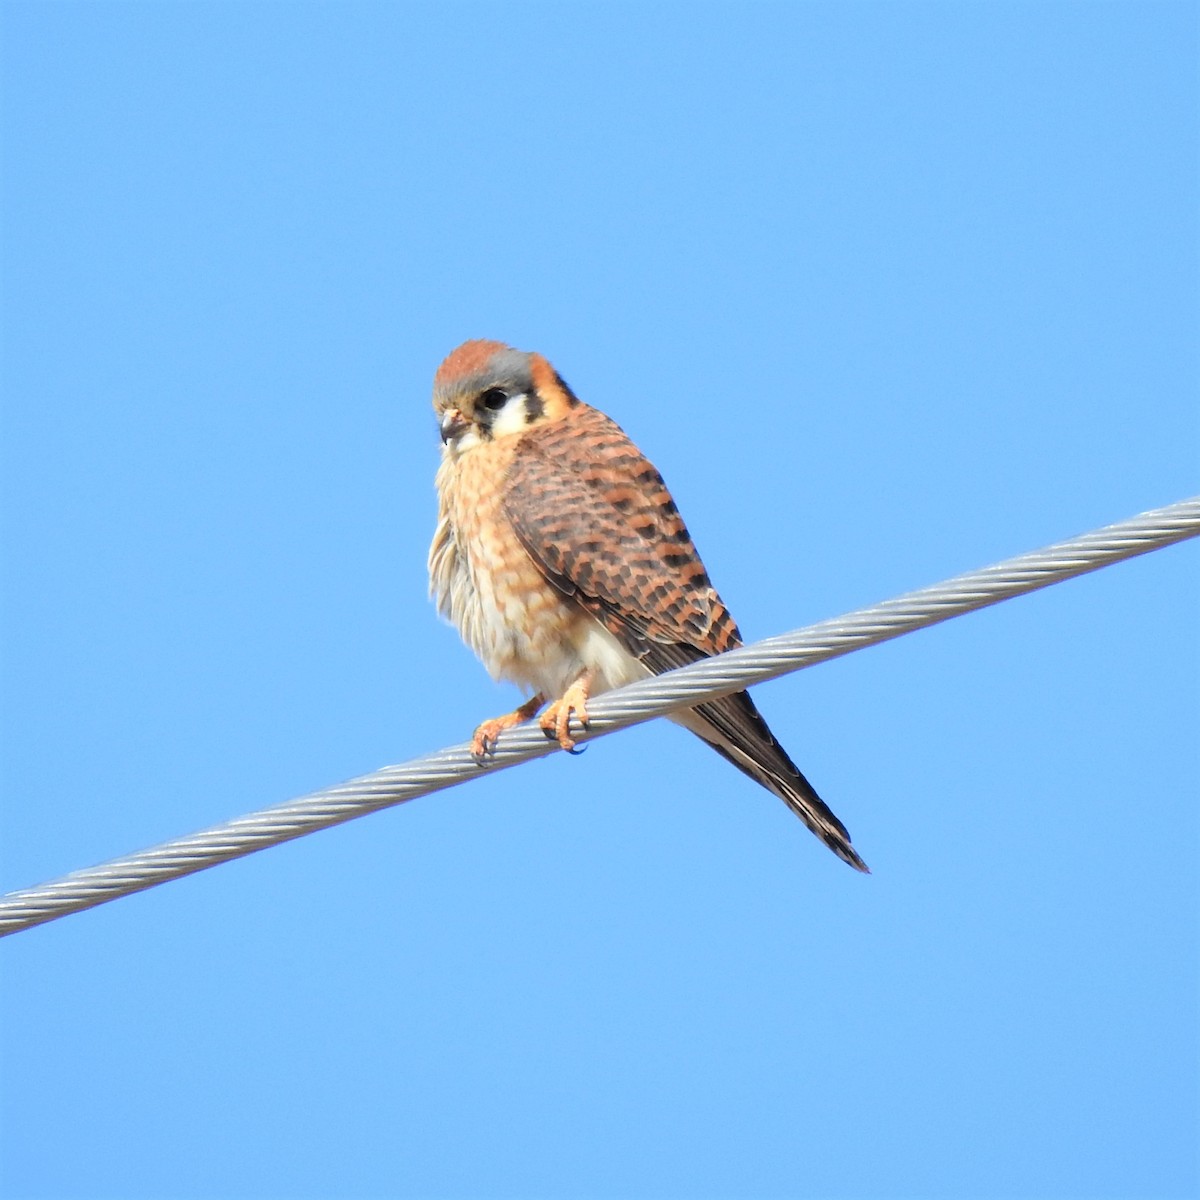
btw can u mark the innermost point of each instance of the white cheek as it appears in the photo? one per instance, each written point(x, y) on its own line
point(512, 418)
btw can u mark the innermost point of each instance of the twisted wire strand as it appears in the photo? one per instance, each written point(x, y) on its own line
point(630, 705)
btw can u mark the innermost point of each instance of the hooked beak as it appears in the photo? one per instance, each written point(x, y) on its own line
point(453, 423)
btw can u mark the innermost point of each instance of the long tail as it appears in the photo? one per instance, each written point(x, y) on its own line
point(734, 728)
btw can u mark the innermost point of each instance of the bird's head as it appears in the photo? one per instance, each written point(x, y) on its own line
point(487, 390)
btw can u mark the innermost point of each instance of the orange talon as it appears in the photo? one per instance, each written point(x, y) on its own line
point(556, 720)
point(487, 733)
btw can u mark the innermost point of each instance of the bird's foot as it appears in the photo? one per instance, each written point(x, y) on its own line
point(487, 733)
point(556, 720)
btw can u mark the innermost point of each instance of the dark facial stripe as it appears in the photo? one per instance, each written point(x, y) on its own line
point(535, 407)
point(562, 383)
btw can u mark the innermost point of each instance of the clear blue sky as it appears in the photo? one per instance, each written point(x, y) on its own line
point(887, 292)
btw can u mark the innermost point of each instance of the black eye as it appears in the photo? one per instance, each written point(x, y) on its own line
point(494, 399)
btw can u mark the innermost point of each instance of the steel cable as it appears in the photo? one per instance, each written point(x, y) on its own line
point(614, 710)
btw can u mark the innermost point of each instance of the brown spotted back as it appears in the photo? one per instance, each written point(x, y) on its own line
point(598, 520)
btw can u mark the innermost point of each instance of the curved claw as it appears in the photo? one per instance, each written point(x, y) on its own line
point(483, 744)
point(556, 720)
point(487, 733)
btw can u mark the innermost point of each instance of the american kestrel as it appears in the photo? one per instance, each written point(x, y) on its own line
point(563, 561)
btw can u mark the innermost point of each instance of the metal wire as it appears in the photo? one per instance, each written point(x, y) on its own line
point(627, 706)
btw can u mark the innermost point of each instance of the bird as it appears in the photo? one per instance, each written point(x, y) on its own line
point(562, 560)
